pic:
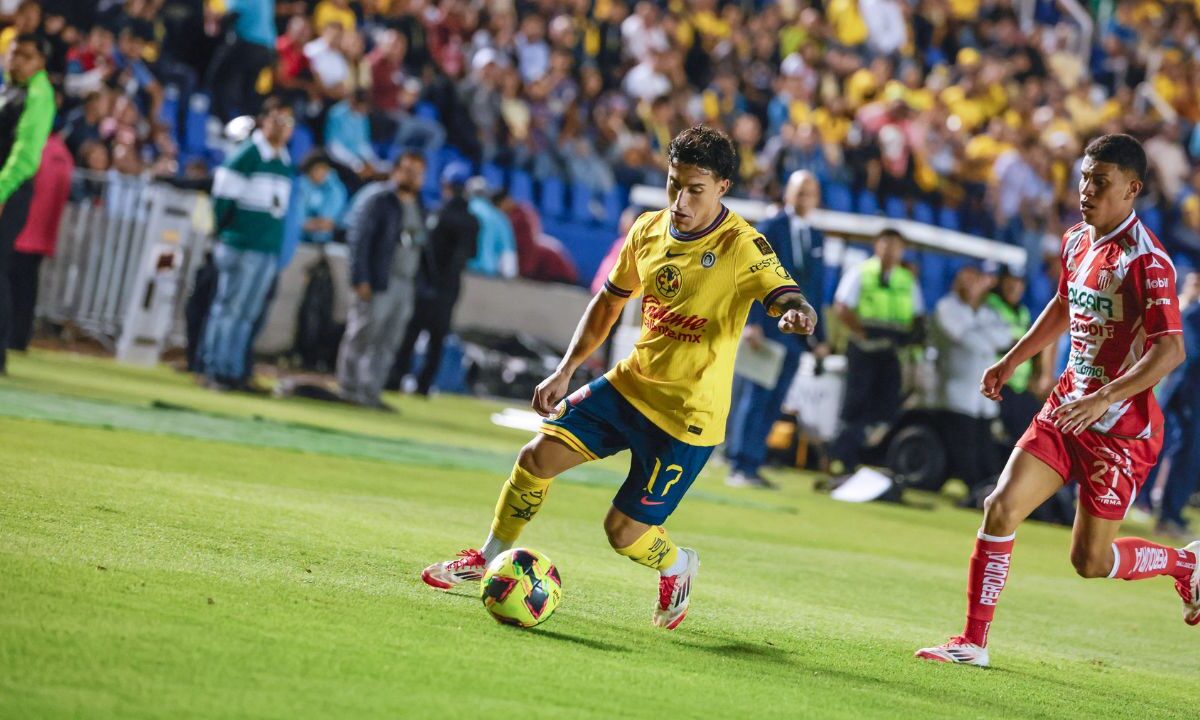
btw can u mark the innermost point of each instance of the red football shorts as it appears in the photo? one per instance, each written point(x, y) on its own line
point(1110, 470)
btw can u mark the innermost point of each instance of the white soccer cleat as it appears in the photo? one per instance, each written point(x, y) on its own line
point(469, 565)
point(1189, 591)
point(956, 650)
point(674, 591)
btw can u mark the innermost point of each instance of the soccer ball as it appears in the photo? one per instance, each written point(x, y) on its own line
point(521, 587)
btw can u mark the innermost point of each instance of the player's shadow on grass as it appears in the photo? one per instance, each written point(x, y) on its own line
point(586, 642)
point(743, 650)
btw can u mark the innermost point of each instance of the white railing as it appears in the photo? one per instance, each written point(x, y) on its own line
point(91, 284)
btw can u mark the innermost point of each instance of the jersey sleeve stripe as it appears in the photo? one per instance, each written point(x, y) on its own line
point(616, 290)
point(1168, 331)
point(782, 290)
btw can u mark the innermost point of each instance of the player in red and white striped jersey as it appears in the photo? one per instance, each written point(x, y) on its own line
point(1101, 427)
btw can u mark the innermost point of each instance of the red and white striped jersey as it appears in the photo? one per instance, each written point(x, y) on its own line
point(1120, 289)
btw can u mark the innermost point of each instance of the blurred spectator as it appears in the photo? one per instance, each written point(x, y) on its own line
point(335, 11)
point(27, 20)
point(628, 217)
point(39, 237)
point(496, 247)
point(132, 72)
point(348, 136)
point(26, 116)
point(83, 123)
point(799, 249)
point(386, 232)
point(481, 95)
point(293, 76)
point(321, 197)
point(539, 256)
point(331, 69)
point(250, 191)
point(881, 305)
point(1180, 398)
point(451, 244)
point(90, 64)
point(248, 39)
point(968, 334)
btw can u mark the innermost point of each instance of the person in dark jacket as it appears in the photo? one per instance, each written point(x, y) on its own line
point(452, 243)
point(387, 238)
point(26, 116)
point(800, 249)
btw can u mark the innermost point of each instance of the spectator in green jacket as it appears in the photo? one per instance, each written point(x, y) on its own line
point(250, 192)
point(26, 114)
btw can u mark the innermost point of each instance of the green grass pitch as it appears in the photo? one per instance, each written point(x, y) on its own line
point(167, 552)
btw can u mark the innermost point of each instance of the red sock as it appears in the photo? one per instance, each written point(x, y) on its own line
point(1138, 559)
point(985, 579)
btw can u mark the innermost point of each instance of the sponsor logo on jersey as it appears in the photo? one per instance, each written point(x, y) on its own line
point(1089, 299)
point(995, 574)
point(782, 272)
point(1081, 325)
point(661, 319)
point(764, 264)
point(1151, 302)
point(668, 281)
point(1154, 263)
point(1083, 368)
point(1157, 283)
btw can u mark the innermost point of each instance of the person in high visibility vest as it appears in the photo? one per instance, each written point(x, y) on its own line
point(882, 307)
point(1032, 380)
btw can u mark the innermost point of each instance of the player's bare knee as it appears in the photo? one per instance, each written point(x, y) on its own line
point(529, 460)
point(622, 530)
point(998, 516)
point(1090, 563)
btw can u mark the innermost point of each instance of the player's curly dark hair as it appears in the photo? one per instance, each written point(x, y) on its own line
point(1121, 150)
point(706, 148)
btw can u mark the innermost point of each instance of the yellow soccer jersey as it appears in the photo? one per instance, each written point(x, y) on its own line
point(697, 289)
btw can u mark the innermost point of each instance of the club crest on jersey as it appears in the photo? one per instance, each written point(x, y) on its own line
point(1104, 279)
point(763, 246)
point(708, 260)
point(668, 281)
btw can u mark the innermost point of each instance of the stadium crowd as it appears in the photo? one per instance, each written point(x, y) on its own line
point(906, 106)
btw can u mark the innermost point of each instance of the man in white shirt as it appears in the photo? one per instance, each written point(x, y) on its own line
point(968, 334)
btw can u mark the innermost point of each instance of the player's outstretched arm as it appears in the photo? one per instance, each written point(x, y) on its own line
point(1046, 330)
point(1165, 354)
point(601, 314)
point(796, 315)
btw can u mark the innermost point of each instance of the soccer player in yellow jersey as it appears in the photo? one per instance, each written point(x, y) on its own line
point(698, 267)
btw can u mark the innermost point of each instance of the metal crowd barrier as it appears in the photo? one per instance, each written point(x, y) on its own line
point(109, 225)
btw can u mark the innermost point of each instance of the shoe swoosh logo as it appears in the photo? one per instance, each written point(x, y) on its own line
point(648, 501)
point(671, 254)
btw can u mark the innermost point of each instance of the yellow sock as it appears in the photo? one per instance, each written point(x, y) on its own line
point(521, 498)
point(653, 549)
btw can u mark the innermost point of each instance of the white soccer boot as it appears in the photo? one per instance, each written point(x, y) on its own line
point(956, 650)
point(1189, 591)
point(674, 591)
point(469, 565)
